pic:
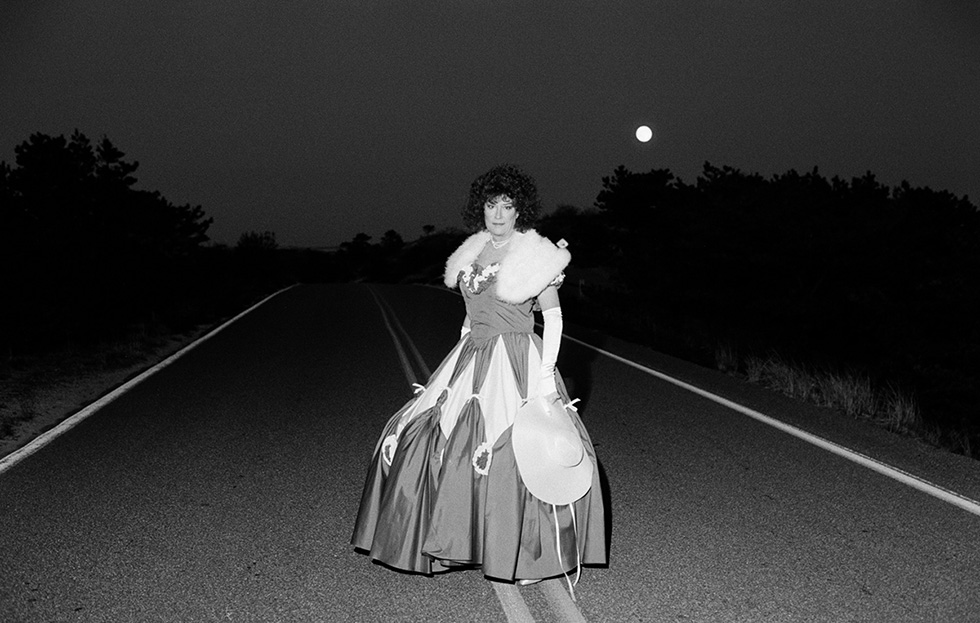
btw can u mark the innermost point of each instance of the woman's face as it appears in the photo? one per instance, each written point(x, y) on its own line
point(500, 216)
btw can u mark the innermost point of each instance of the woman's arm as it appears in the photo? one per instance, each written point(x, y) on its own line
point(551, 340)
point(549, 298)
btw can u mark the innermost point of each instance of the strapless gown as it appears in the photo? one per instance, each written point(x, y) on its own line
point(443, 489)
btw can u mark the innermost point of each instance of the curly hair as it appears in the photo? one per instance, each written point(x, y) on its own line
point(503, 179)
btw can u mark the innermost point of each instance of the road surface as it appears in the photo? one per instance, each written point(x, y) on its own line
point(224, 488)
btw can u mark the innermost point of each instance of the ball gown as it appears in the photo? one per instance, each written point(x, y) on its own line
point(443, 489)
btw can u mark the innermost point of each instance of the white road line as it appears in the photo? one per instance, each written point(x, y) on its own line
point(515, 608)
point(424, 369)
point(402, 356)
point(47, 437)
point(946, 495)
point(557, 596)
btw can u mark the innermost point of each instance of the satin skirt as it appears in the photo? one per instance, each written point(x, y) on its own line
point(443, 490)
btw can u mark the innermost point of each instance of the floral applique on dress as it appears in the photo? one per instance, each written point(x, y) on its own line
point(476, 278)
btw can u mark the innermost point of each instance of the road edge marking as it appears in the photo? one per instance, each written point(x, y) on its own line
point(71, 421)
point(900, 475)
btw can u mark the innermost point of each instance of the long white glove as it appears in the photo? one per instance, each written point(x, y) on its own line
point(551, 341)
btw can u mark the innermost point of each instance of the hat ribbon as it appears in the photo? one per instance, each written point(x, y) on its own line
point(578, 556)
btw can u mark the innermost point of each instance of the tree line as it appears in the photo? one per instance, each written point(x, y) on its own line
point(841, 273)
point(86, 255)
point(851, 274)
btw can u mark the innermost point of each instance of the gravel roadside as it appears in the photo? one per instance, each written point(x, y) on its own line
point(37, 393)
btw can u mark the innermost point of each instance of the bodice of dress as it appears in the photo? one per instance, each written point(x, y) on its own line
point(489, 316)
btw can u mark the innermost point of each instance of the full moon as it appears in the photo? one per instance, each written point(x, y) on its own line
point(644, 133)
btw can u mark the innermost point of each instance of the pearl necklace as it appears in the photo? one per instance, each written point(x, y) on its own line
point(499, 245)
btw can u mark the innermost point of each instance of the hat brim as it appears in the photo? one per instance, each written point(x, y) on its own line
point(545, 478)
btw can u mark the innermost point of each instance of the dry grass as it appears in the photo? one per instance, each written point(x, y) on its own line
point(853, 394)
point(793, 380)
point(901, 414)
point(726, 357)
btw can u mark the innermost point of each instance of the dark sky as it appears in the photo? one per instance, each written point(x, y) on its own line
point(320, 119)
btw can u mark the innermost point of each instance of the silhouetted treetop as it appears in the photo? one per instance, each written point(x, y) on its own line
point(851, 271)
point(67, 193)
point(392, 241)
point(627, 198)
point(255, 241)
point(83, 251)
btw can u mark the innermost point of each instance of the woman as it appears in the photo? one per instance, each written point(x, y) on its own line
point(444, 489)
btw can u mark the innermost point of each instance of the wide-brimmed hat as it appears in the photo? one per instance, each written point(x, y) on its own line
point(550, 455)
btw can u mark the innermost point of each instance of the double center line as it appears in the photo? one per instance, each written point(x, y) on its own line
point(509, 596)
point(403, 343)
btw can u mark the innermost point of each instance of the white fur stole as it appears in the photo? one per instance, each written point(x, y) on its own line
point(532, 263)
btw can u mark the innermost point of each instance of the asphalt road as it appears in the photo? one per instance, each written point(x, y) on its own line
point(224, 488)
